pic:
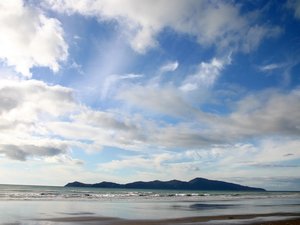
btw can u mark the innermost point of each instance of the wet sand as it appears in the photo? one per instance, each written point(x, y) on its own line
point(285, 222)
point(250, 219)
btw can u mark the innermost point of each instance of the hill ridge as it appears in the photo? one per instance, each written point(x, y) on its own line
point(197, 183)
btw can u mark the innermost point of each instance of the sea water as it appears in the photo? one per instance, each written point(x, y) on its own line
point(22, 204)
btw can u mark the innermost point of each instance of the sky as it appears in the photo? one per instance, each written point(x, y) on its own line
point(127, 90)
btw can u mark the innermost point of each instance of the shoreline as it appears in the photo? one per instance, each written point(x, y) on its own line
point(250, 219)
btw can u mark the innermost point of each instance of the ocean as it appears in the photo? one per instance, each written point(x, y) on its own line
point(33, 204)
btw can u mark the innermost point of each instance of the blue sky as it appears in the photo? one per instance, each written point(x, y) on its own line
point(143, 90)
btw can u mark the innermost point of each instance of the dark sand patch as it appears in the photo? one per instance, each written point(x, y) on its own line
point(183, 221)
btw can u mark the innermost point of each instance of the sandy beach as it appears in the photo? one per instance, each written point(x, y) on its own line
point(71, 206)
point(252, 219)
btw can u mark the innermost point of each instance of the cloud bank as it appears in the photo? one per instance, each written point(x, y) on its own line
point(257, 116)
point(217, 23)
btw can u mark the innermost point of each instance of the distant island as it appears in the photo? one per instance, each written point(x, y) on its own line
point(200, 184)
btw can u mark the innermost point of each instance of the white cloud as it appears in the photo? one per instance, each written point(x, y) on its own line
point(218, 23)
point(32, 99)
point(239, 162)
point(270, 67)
point(64, 159)
point(155, 162)
point(278, 150)
point(163, 100)
point(205, 76)
point(256, 34)
point(45, 172)
point(132, 162)
point(25, 106)
point(22, 152)
point(266, 113)
point(29, 38)
point(111, 82)
point(107, 120)
point(100, 128)
point(185, 136)
point(169, 67)
point(260, 115)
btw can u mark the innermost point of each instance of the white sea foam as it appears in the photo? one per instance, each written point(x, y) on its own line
point(12, 192)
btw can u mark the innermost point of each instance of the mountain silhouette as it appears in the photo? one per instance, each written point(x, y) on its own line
point(195, 184)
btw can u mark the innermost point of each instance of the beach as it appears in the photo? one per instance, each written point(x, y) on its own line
point(258, 219)
point(43, 205)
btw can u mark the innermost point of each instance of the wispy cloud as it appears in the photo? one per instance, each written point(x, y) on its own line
point(271, 67)
point(169, 67)
point(112, 81)
point(205, 76)
point(295, 6)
